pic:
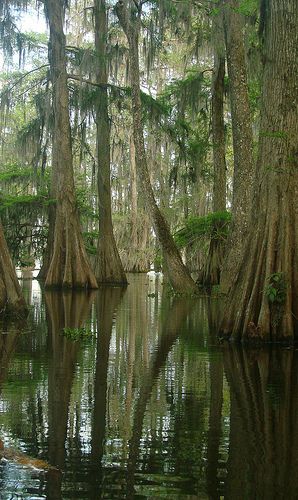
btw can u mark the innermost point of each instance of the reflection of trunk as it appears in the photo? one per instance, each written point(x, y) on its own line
point(107, 303)
point(108, 266)
point(264, 427)
point(69, 266)
point(263, 304)
point(242, 140)
point(179, 276)
point(214, 430)
point(63, 310)
point(216, 402)
point(171, 329)
point(11, 298)
point(7, 348)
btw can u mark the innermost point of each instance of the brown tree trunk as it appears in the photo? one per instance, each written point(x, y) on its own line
point(264, 303)
point(11, 298)
point(69, 266)
point(108, 266)
point(242, 141)
point(210, 274)
point(134, 195)
point(138, 258)
point(178, 275)
point(218, 125)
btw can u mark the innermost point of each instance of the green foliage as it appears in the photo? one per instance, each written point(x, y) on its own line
point(90, 240)
point(248, 7)
point(15, 172)
point(77, 334)
point(26, 261)
point(21, 201)
point(214, 225)
point(276, 288)
point(83, 202)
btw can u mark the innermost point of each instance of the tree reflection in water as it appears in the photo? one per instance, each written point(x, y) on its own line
point(64, 310)
point(173, 320)
point(150, 407)
point(107, 302)
point(263, 458)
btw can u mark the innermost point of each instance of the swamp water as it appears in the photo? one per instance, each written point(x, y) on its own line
point(146, 404)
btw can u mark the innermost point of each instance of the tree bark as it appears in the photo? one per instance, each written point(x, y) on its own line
point(177, 273)
point(218, 125)
point(69, 266)
point(108, 266)
point(242, 142)
point(210, 274)
point(12, 302)
point(264, 303)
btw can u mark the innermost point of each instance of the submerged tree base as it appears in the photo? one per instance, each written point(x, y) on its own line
point(12, 303)
point(69, 267)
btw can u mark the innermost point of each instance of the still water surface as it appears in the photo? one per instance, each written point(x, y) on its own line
point(147, 405)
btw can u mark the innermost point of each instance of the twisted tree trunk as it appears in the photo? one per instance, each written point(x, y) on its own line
point(264, 303)
point(177, 273)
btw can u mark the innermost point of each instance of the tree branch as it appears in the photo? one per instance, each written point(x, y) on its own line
point(7, 90)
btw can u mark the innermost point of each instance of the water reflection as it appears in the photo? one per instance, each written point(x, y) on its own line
point(171, 326)
point(64, 310)
point(148, 406)
point(107, 302)
point(263, 459)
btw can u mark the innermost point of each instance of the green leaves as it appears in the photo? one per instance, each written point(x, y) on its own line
point(214, 225)
point(276, 288)
point(76, 334)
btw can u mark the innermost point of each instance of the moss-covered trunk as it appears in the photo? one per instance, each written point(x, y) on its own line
point(69, 265)
point(177, 273)
point(108, 266)
point(263, 305)
point(11, 298)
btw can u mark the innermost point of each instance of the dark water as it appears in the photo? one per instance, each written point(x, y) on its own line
point(147, 405)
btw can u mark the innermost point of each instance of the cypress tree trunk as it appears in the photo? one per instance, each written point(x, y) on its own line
point(264, 303)
point(11, 298)
point(218, 126)
point(108, 266)
point(242, 141)
point(210, 275)
point(69, 266)
point(178, 275)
